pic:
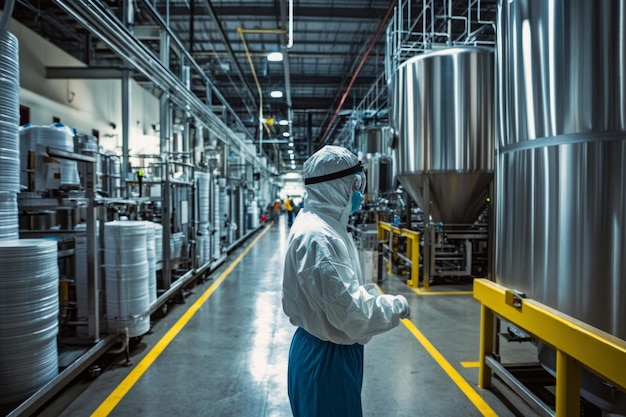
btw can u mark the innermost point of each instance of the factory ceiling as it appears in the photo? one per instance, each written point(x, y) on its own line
point(332, 76)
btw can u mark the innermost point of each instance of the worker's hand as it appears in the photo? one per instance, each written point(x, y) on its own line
point(405, 311)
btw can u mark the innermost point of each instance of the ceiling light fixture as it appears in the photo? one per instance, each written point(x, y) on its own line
point(284, 122)
point(290, 143)
point(286, 134)
point(276, 94)
point(275, 56)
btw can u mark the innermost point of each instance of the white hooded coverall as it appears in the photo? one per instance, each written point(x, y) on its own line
point(325, 297)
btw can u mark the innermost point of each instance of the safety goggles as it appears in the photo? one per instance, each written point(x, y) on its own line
point(360, 182)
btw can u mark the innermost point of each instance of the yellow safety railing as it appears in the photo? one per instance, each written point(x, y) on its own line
point(576, 343)
point(386, 232)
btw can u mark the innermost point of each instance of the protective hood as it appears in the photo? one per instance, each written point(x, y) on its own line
point(332, 197)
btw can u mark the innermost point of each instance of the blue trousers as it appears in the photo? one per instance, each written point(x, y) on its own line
point(324, 379)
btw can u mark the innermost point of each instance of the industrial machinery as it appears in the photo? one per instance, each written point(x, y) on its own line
point(122, 235)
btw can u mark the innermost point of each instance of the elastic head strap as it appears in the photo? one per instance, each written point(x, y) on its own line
point(322, 178)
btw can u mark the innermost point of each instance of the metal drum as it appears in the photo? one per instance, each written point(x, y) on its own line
point(40, 172)
point(441, 107)
point(88, 145)
point(561, 134)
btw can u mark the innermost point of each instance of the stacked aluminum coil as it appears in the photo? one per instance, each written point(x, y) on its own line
point(9, 135)
point(151, 254)
point(29, 309)
point(158, 242)
point(9, 113)
point(202, 233)
point(217, 221)
point(8, 216)
point(176, 245)
point(224, 207)
point(29, 282)
point(204, 243)
point(204, 180)
point(126, 271)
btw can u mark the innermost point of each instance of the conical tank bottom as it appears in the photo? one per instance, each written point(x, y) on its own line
point(456, 197)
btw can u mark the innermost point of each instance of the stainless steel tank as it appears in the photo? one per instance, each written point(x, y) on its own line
point(561, 138)
point(375, 139)
point(375, 153)
point(441, 107)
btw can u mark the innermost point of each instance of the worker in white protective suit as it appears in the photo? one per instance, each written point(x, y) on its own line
point(324, 294)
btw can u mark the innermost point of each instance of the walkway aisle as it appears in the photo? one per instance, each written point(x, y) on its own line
point(230, 357)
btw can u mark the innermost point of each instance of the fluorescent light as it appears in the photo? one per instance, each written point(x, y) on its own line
point(275, 56)
point(276, 94)
point(283, 122)
point(290, 151)
point(290, 143)
point(286, 134)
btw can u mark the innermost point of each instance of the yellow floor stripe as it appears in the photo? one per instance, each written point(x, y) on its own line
point(470, 364)
point(422, 292)
point(122, 389)
point(467, 389)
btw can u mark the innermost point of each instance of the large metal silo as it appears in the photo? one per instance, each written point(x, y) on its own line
point(561, 180)
point(561, 138)
point(442, 111)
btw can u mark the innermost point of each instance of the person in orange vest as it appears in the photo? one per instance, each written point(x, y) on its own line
point(276, 209)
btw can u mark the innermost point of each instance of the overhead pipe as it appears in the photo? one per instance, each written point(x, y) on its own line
point(290, 41)
point(383, 23)
point(226, 43)
point(165, 26)
point(281, 33)
point(129, 22)
point(262, 124)
point(108, 28)
point(285, 44)
point(192, 22)
point(6, 15)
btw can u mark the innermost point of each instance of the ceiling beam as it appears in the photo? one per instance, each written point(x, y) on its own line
point(240, 12)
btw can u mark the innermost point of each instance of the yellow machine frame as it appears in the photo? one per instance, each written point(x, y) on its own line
point(386, 233)
point(576, 343)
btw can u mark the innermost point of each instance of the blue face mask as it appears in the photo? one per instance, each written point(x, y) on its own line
point(357, 199)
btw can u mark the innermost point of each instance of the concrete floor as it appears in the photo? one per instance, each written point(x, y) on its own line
point(224, 353)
